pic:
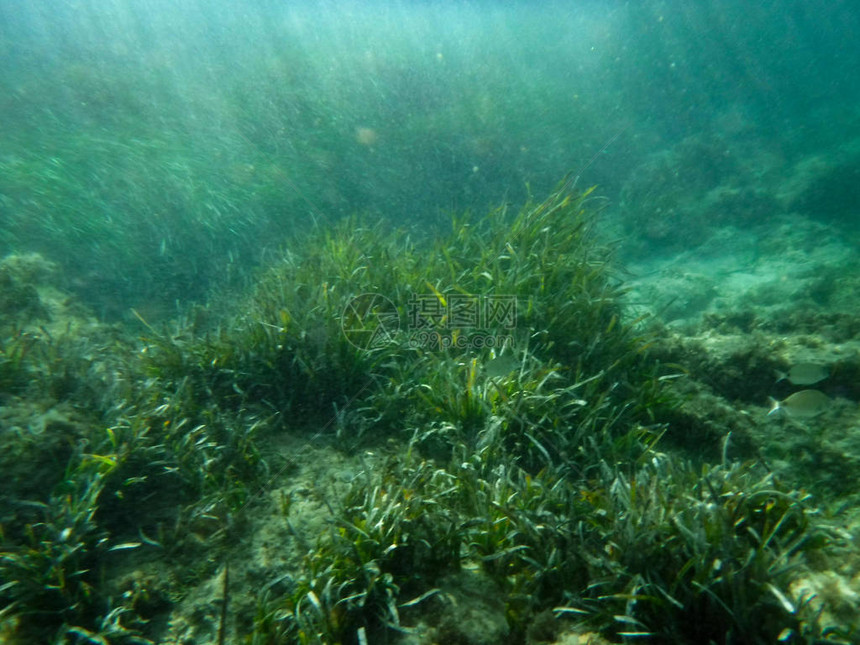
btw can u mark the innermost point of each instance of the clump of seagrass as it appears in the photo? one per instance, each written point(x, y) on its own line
point(543, 469)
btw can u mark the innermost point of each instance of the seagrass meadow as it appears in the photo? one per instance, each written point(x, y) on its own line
point(455, 322)
point(256, 472)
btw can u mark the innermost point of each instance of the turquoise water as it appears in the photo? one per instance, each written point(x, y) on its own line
point(251, 383)
point(150, 146)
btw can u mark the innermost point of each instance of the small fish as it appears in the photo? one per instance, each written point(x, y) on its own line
point(501, 366)
point(805, 374)
point(803, 404)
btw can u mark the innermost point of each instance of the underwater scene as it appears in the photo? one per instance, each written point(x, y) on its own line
point(420, 322)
